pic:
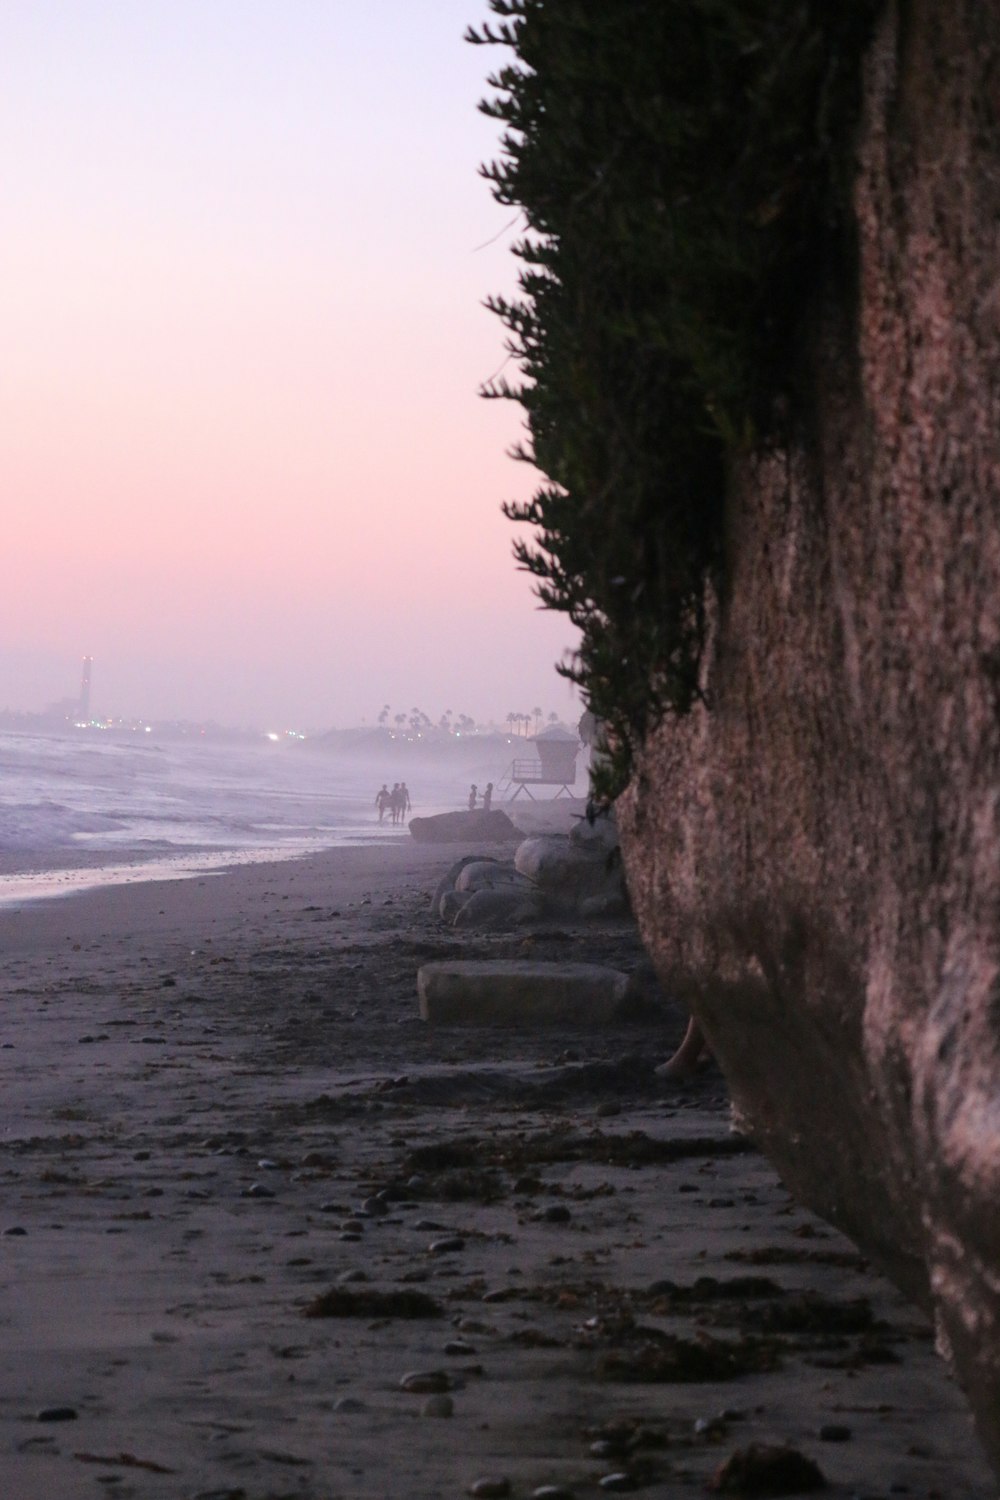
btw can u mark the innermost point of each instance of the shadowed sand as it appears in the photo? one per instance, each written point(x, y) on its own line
point(206, 1085)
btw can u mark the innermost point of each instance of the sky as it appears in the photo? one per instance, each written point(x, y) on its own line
point(243, 462)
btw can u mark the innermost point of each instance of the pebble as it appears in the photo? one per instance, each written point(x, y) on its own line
point(556, 1213)
point(353, 1226)
point(606, 1448)
point(438, 1406)
point(489, 1489)
point(449, 1246)
point(354, 1274)
point(552, 1492)
point(459, 1346)
point(617, 1483)
point(57, 1414)
point(258, 1190)
point(835, 1432)
point(349, 1404)
point(267, 1165)
point(607, 1108)
point(15, 1229)
point(153, 1041)
point(374, 1207)
point(425, 1382)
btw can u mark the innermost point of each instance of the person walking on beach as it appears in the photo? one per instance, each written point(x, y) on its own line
point(472, 797)
point(488, 797)
point(382, 801)
point(404, 800)
point(394, 802)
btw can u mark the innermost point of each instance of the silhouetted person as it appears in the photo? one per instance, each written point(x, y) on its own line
point(404, 800)
point(488, 797)
point(394, 801)
point(383, 799)
point(472, 797)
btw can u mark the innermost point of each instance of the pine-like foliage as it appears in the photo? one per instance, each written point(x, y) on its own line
point(683, 169)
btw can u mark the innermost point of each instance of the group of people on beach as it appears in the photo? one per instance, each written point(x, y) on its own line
point(397, 802)
point(487, 799)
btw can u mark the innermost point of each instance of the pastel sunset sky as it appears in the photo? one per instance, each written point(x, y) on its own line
point(243, 461)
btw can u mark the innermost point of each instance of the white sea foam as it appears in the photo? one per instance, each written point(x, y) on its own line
point(81, 808)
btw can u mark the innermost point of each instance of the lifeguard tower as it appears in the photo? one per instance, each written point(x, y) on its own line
point(553, 764)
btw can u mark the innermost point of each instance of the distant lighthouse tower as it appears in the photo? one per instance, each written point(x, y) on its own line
point(84, 716)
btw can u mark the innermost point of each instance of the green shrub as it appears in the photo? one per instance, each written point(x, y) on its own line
point(684, 170)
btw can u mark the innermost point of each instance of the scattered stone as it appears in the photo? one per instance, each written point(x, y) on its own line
point(552, 1492)
point(425, 1382)
point(556, 1213)
point(608, 1108)
point(349, 1404)
point(15, 1231)
point(354, 1274)
point(438, 1406)
point(617, 1483)
point(449, 1246)
point(490, 1489)
point(459, 1347)
point(495, 992)
point(258, 1190)
point(57, 1414)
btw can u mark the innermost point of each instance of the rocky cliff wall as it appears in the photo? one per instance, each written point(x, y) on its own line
point(815, 857)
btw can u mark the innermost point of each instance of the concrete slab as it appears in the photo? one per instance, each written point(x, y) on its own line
point(518, 992)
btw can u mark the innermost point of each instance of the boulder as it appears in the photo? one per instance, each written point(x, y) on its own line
point(483, 874)
point(521, 993)
point(567, 873)
point(596, 835)
point(450, 904)
point(493, 827)
point(499, 908)
point(447, 882)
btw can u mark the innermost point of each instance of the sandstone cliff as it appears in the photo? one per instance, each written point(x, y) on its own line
point(815, 857)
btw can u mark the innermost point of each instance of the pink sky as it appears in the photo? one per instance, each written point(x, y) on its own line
point(243, 461)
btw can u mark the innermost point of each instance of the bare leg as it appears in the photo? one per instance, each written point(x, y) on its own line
point(684, 1063)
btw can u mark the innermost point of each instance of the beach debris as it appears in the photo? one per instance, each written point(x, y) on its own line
point(765, 1469)
point(517, 992)
point(342, 1302)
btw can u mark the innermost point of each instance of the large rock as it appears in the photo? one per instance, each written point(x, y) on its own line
point(814, 859)
point(521, 993)
point(567, 873)
point(493, 827)
point(497, 908)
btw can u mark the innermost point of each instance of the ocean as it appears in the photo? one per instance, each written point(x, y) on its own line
point(89, 807)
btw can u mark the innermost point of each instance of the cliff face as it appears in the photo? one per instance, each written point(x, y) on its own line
point(815, 858)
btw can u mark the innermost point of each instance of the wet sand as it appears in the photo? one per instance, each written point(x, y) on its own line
point(220, 1105)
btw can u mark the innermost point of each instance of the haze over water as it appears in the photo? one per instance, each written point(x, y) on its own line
point(243, 459)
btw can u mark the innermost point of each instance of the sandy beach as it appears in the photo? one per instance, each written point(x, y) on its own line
point(247, 1193)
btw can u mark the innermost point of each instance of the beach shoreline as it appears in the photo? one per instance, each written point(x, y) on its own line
point(208, 1083)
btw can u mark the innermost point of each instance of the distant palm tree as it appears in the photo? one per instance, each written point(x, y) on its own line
point(537, 714)
point(383, 717)
point(400, 720)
